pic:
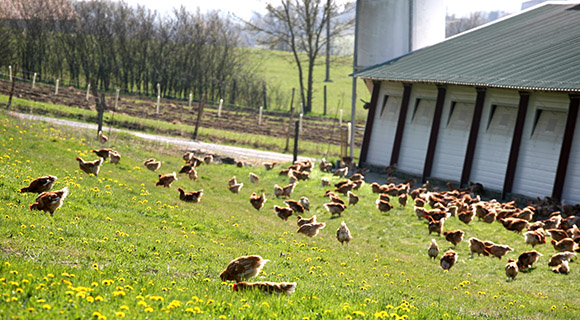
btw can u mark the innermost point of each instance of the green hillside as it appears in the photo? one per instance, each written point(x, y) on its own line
point(280, 71)
point(122, 247)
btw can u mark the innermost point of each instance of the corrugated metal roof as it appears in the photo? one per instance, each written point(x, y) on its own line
point(538, 49)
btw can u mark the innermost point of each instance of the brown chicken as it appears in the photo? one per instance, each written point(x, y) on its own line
point(232, 181)
point(283, 212)
point(192, 174)
point(566, 244)
point(514, 224)
point(166, 180)
point(102, 153)
point(49, 201)
point(208, 159)
point(243, 268)
point(90, 166)
point(186, 168)
point(325, 182)
point(301, 221)
point(433, 250)
point(477, 246)
point(352, 198)
point(267, 287)
point(188, 156)
point(343, 234)
point(511, 269)
point(527, 259)
point(557, 234)
point(384, 206)
point(311, 229)
point(236, 187)
point(257, 202)
point(305, 203)
point(343, 172)
point(269, 165)
point(152, 164)
point(448, 259)
point(102, 138)
point(562, 268)
point(295, 205)
point(40, 185)
point(419, 202)
point(466, 217)
point(345, 188)
point(436, 225)
point(194, 196)
point(490, 217)
point(285, 191)
point(254, 177)
point(497, 250)
point(115, 157)
point(403, 199)
point(335, 208)
point(325, 166)
point(535, 237)
point(335, 198)
point(559, 257)
point(455, 236)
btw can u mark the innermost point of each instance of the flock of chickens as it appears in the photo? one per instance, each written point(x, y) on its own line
point(462, 204)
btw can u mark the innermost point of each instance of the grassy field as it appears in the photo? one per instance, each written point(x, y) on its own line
point(279, 69)
point(122, 247)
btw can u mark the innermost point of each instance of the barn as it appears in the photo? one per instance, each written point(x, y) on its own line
point(496, 105)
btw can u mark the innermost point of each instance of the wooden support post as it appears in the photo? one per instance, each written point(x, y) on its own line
point(566, 148)
point(291, 115)
point(370, 121)
point(56, 88)
point(435, 125)
point(516, 143)
point(296, 135)
point(220, 108)
point(199, 113)
point(33, 80)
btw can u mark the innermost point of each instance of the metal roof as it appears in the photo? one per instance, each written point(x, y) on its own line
point(538, 49)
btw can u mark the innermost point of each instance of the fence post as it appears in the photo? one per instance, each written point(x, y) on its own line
point(300, 122)
point(33, 80)
point(296, 134)
point(200, 111)
point(340, 119)
point(88, 90)
point(265, 102)
point(10, 69)
point(190, 99)
point(56, 88)
point(220, 108)
point(291, 115)
point(260, 116)
point(324, 99)
point(158, 97)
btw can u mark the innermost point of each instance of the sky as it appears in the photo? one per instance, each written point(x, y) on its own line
point(245, 8)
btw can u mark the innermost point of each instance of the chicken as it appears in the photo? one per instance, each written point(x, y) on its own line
point(419, 202)
point(194, 196)
point(345, 187)
point(562, 268)
point(341, 172)
point(192, 174)
point(335, 198)
point(283, 212)
point(278, 191)
point(436, 225)
point(514, 224)
point(40, 185)
point(236, 187)
point(208, 159)
point(240, 164)
point(269, 165)
point(115, 157)
point(420, 212)
point(267, 287)
point(325, 182)
point(558, 258)
point(384, 206)
point(257, 202)
point(49, 201)
point(232, 181)
point(243, 268)
point(511, 269)
point(301, 221)
point(90, 166)
point(343, 234)
point(188, 156)
point(466, 217)
point(305, 203)
point(448, 259)
point(557, 234)
point(186, 168)
point(497, 250)
point(311, 229)
point(477, 246)
point(527, 259)
point(490, 217)
point(566, 244)
point(535, 237)
point(391, 169)
point(480, 210)
point(455, 236)
point(403, 199)
point(102, 153)
point(352, 198)
point(152, 165)
point(433, 250)
point(166, 180)
point(295, 205)
point(102, 138)
point(254, 177)
point(335, 208)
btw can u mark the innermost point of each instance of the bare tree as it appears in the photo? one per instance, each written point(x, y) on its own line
point(300, 25)
point(457, 25)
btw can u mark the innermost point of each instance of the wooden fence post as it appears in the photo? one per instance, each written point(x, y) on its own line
point(260, 116)
point(300, 121)
point(158, 97)
point(33, 80)
point(220, 108)
point(265, 97)
point(296, 135)
point(88, 90)
point(10, 70)
point(56, 88)
point(190, 99)
point(340, 119)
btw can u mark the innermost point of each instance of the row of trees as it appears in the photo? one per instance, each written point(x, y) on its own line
point(132, 48)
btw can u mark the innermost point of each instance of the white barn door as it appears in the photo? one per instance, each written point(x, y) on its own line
point(384, 128)
point(416, 136)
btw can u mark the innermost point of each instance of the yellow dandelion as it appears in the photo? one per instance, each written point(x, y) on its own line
point(46, 306)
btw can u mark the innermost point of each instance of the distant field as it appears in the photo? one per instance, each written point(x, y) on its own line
point(280, 70)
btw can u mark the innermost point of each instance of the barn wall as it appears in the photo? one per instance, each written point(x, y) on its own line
point(571, 192)
point(541, 144)
point(495, 137)
point(385, 123)
point(454, 133)
point(417, 129)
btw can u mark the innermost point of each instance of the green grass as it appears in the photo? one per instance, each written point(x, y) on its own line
point(120, 244)
point(268, 143)
point(279, 69)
